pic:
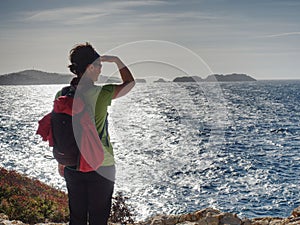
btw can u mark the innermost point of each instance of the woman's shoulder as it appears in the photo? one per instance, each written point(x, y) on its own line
point(106, 88)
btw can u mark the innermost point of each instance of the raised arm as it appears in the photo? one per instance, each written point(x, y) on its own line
point(127, 78)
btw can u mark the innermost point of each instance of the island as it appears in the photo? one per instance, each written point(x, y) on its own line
point(188, 79)
point(160, 80)
point(37, 77)
point(234, 77)
point(138, 80)
point(29, 77)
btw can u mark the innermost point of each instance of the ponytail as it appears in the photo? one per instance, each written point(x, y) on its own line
point(75, 81)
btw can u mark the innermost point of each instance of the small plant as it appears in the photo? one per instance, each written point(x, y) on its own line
point(120, 210)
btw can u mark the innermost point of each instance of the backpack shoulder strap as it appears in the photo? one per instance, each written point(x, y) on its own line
point(105, 128)
point(68, 91)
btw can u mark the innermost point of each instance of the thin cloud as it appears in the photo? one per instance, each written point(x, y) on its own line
point(181, 15)
point(127, 4)
point(86, 14)
point(66, 15)
point(280, 35)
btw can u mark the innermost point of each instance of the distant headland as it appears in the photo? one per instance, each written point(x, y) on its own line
point(234, 77)
point(28, 77)
point(36, 77)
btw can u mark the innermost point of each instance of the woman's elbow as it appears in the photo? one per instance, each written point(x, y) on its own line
point(130, 85)
point(133, 83)
point(123, 89)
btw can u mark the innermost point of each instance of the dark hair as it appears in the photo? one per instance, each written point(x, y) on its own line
point(80, 57)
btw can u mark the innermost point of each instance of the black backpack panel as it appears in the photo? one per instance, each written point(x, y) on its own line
point(65, 149)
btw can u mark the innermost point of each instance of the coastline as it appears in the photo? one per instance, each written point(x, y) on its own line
point(206, 216)
point(14, 185)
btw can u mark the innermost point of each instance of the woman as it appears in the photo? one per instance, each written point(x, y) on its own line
point(90, 193)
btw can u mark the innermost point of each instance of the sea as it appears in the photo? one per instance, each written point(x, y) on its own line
point(179, 147)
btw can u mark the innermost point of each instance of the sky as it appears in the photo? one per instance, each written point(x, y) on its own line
point(260, 38)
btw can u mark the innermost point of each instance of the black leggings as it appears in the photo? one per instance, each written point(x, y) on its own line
point(90, 196)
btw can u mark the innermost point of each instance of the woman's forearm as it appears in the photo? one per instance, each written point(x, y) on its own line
point(127, 79)
point(124, 71)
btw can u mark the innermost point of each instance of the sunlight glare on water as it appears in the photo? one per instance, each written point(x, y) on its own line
point(167, 161)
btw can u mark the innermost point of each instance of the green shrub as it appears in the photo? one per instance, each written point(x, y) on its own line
point(32, 201)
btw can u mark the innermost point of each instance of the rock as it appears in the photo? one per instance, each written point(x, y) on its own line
point(293, 223)
point(276, 222)
point(211, 216)
point(13, 222)
point(296, 212)
point(172, 220)
point(201, 222)
point(213, 220)
point(206, 216)
point(188, 217)
point(3, 216)
point(17, 222)
point(229, 218)
point(246, 222)
point(260, 221)
point(157, 220)
point(188, 223)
